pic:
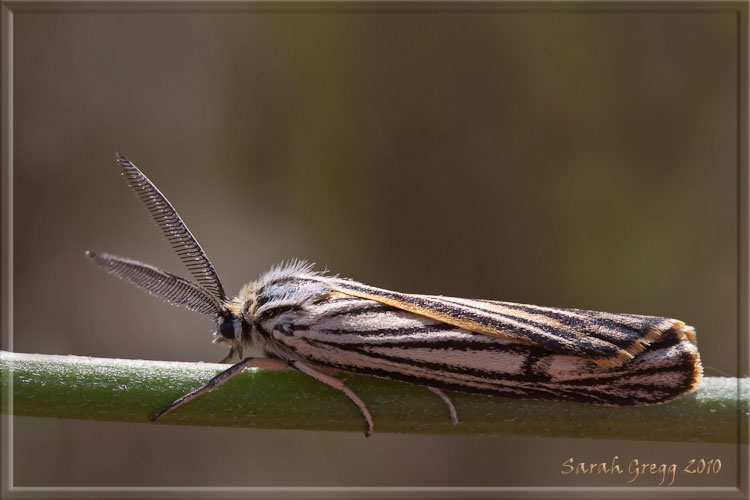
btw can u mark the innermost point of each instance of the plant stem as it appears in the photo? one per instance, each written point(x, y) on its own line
point(130, 391)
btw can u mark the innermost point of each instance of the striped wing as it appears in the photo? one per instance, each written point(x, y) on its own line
point(360, 335)
point(609, 340)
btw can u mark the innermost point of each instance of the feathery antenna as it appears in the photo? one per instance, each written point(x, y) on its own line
point(173, 289)
point(174, 229)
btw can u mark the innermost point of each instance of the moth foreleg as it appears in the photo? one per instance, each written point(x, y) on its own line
point(336, 384)
point(229, 356)
point(448, 403)
point(222, 378)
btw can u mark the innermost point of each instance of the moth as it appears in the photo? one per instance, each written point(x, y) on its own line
point(321, 325)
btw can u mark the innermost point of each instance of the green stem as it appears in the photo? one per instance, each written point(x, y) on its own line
point(129, 391)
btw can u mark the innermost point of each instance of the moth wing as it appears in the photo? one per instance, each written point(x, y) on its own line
point(609, 340)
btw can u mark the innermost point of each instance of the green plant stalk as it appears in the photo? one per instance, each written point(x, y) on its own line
point(122, 390)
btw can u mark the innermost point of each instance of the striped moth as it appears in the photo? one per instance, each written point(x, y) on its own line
point(319, 325)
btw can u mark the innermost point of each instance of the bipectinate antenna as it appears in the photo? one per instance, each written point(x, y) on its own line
point(173, 289)
point(174, 229)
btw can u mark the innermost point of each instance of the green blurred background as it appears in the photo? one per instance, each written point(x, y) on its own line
point(566, 157)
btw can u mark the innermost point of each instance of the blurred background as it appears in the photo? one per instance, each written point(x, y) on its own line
point(566, 158)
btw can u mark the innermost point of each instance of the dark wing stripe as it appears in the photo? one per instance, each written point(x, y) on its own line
point(399, 352)
point(616, 388)
point(574, 327)
point(438, 365)
point(434, 307)
point(620, 329)
point(351, 312)
point(383, 332)
point(571, 324)
point(609, 340)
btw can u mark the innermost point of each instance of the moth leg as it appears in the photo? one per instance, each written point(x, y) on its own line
point(336, 384)
point(221, 378)
point(448, 403)
point(228, 356)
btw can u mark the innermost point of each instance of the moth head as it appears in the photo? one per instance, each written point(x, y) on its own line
point(204, 295)
point(230, 328)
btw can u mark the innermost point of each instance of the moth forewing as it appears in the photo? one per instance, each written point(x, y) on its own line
point(363, 335)
point(609, 340)
point(314, 323)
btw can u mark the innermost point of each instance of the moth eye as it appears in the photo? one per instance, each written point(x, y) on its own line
point(226, 329)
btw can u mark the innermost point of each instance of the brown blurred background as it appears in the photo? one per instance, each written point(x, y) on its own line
point(567, 157)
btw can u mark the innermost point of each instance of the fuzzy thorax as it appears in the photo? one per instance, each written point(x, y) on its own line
point(277, 288)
